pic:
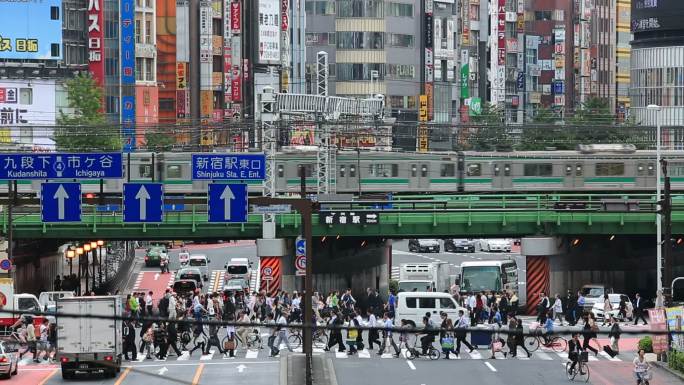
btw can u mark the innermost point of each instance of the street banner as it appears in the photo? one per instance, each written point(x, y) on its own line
point(658, 323)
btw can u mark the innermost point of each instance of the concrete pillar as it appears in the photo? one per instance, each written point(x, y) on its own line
point(271, 253)
point(537, 251)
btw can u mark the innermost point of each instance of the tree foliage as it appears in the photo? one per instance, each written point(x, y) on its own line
point(85, 129)
point(159, 141)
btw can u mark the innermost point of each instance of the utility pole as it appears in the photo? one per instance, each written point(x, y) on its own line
point(666, 208)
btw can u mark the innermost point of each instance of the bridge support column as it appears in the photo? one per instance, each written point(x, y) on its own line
point(272, 255)
point(537, 251)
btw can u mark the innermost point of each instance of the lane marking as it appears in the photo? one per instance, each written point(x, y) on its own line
point(490, 366)
point(410, 364)
point(44, 380)
point(198, 374)
point(252, 354)
point(194, 363)
point(122, 376)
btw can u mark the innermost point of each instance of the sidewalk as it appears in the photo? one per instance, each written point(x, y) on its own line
point(618, 373)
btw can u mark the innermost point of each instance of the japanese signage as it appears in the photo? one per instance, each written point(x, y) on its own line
point(27, 111)
point(423, 109)
point(235, 17)
point(302, 134)
point(675, 324)
point(95, 40)
point(128, 122)
point(501, 33)
point(284, 15)
point(61, 166)
point(127, 12)
point(31, 29)
point(658, 323)
point(430, 93)
point(268, 32)
point(228, 166)
point(348, 218)
point(205, 31)
point(227, 52)
point(182, 101)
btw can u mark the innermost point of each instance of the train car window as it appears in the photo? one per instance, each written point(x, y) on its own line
point(173, 171)
point(651, 169)
point(145, 171)
point(352, 171)
point(578, 170)
point(640, 169)
point(538, 169)
point(447, 169)
point(568, 170)
point(281, 171)
point(384, 170)
point(424, 170)
point(507, 170)
point(610, 169)
point(308, 169)
point(474, 169)
point(496, 170)
point(414, 171)
point(342, 171)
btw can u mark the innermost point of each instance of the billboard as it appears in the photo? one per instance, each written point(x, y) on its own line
point(95, 39)
point(657, 15)
point(268, 32)
point(26, 111)
point(31, 29)
point(127, 12)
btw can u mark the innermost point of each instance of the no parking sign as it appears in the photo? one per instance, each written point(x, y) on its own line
point(267, 273)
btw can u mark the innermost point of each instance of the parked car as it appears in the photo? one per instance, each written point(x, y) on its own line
point(192, 273)
point(424, 245)
point(614, 299)
point(9, 359)
point(495, 245)
point(459, 245)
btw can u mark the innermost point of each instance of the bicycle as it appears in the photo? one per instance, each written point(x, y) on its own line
point(581, 368)
point(414, 353)
point(556, 343)
point(319, 338)
point(253, 340)
point(20, 342)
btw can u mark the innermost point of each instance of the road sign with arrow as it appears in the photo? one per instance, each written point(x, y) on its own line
point(143, 202)
point(60, 202)
point(227, 203)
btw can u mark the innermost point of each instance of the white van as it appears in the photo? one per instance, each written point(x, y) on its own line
point(201, 262)
point(413, 306)
point(49, 298)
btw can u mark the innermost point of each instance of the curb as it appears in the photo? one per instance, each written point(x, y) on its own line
point(663, 365)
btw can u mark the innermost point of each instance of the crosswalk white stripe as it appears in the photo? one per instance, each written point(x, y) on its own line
point(364, 353)
point(340, 354)
point(184, 357)
point(207, 357)
point(562, 355)
point(606, 355)
point(252, 354)
point(475, 355)
point(542, 356)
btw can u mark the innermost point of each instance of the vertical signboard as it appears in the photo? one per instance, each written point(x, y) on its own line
point(422, 128)
point(95, 40)
point(227, 52)
point(465, 74)
point(127, 12)
point(235, 17)
point(501, 33)
point(268, 32)
point(205, 31)
point(658, 323)
point(284, 45)
point(182, 101)
point(430, 51)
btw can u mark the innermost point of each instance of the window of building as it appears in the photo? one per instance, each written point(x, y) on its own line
point(149, 69)
point(54, 13)
point(139, 62)
point(399, 9)
point(543, 15)
point(320, 7)
point(320, 38)
point(401, 40)
point(148, 32)
point(360, 8)
point(609, 169)
point(167, 104)
point(447, 169)
point(111, 66)
point(138, 31)
point(538, 169)
point(360, 40)
point(357, 71)
point(383, 170)
point(112, 104)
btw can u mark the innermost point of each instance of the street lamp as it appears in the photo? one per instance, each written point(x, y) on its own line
point(93, 247)
point(659, 225)
point(70, 254)
point(100, 243)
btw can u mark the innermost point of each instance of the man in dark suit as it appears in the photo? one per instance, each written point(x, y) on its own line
point(639, 309)
point(574, 350)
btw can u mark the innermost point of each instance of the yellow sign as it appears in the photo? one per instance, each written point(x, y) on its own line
point(423, 108)
point(206, 103)
point(181, 76)
point(422, 138)
point(5, 135)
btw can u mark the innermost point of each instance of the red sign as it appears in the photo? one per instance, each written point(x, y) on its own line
point(180, 104)
point(658, 323)
point(236, 90)
point(501, 33)
point(95, 35)
point(284, 17)
point(235, 17)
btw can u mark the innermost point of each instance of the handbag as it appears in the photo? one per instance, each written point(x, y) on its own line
point(497, 346)
point(229, 344)
point(447, 343)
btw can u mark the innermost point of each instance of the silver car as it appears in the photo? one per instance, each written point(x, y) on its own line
point(9, 359)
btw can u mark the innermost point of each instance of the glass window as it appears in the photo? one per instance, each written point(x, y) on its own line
point(401, 71)
point(145, 171)
point(281, 171)
point(473, 169)
point(342, 171)
point(411, 302)
point(352, 171)
point(358, 71)
point(424, 170)
point(399, 10)
point(578, 170)
point(447, 169)
point(360, 40)
point(167, 104)
point(320, 38)
point(447, 303)
point(538, 169)
point(138, 32)
point(610, 169)
point(173, 171)
point(401, 40)
point(308, 169)
point(384, 170)
point(360, 8)
point(26, 304)
point(414, 170)
point(26, 96)
point(427, 303)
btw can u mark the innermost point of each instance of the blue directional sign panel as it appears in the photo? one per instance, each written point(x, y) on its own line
point(143, 202)
point(60, 202)
point(227, 203)
point(228, 166)
point(61, 166)
point(300, 246)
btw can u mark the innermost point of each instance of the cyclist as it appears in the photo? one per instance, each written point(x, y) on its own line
point(641, 368)
point(548, 327)
point(429, 338)
point(574, 351)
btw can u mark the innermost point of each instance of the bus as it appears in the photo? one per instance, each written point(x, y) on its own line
point(501, 275)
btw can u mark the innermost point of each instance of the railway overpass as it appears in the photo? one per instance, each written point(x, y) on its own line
point(562, 233)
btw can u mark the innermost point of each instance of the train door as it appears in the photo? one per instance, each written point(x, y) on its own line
point(645, 174)
point(414, 176)
point(501, 175)
point(424, 177)
point(574, 175)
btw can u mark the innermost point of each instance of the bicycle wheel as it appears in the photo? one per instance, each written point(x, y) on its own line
point(434, 354)
point(411, 354)
point(570, 373)
point(531, 343)
point(295, 340)
point(583, 372)
point(558, 344)
point(320, 341)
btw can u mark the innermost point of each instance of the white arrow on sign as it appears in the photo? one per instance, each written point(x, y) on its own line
point(241, 368)
point(143, 196)
point(227, 196)
point(162, 371)
point(60, 195)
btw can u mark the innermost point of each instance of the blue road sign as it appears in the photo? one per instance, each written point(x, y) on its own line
point(227, 203)
point(175, 207)
point(108, 208)
point(60, 202)
point(143, 202)
point(61, 166)
point(300, 246)
point(228, 166)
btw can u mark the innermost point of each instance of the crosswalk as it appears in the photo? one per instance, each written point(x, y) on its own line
point(216, 281)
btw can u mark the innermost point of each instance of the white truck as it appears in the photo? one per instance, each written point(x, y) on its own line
point(93, 343)
point(15, 303)
point(421, 277)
